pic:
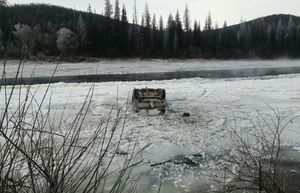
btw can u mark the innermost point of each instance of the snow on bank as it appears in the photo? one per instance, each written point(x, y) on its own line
point(212, 104)
point(40, 69)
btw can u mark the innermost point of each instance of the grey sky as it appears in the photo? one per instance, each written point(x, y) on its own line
point(230, 10)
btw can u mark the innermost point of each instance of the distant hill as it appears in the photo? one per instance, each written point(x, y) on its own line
point(93, 35)
point(283, 17)
point(273, 19)
point(25, 13)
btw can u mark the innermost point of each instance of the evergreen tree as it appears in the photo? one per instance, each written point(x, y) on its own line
point(175, 45)
point(187, 19)
point(166, 43)
point(146, 29)
point(243, 38)
point(154, 34)
point(258, 36)
point(209, 37)
point(225, 24)
point(188, 36)
point(89, 9)
point(1, 43)
point(197, 35)
point(161, 35)
point(136, 43)
point(2, 3)
point(297, 49)
point(124, 39)
point(179, 31)
point(81, 33)
point(117, 26)
point(171, 29)
point(216, 26)
point(271, 40)
point(291, 37)
point(108, 33)
point(208, 23)
point(280, 38)
point(4, 24)
point(135, 17)
point(117, 10)
point(108, 9)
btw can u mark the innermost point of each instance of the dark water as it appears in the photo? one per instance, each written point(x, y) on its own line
point(213, 74)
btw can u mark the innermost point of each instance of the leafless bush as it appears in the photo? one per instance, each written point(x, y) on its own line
point(40, 152)
point(254, 164)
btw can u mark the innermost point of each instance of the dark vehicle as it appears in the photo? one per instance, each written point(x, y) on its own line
point(148, 99)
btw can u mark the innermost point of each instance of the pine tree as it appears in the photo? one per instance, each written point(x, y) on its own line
point(171, 29)
point(117, 26)
point(208, 23)
point(208, 35)
point(291, 37)
point(154, 34)
point(243, 38)
point(225, 24)
point(175, 44)
point(135, 17)
point(108, 9)
point(147, 28)
point(147, 16)
point(81, 33)
point(161, 34)
point(188, 36)
point(117, 10)
point(179, 31)
point(124, 39)
point(108, 33)
point(197, 35)
point(89, 9)
point(279, 38)
point(2, 3)
point(187, 19)
point(259, 36)
point(136, 43)
point(1, 43)
point(4, 25)
point(271, 40)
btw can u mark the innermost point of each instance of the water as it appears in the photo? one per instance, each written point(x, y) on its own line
point(172, 136)
point(215, 74)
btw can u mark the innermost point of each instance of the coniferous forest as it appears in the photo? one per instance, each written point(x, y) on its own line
point(45, 31)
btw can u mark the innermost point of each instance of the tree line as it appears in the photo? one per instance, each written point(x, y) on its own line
point(48, 30)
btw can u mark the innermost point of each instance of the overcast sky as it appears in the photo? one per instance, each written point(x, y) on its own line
point(231, 11)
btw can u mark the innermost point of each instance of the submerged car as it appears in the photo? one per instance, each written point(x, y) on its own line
point(149, 99)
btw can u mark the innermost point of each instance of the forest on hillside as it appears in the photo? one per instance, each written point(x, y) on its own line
point(44, 31)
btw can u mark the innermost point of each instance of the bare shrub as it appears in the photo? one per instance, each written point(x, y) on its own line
point(40, 152)
point(254, 164)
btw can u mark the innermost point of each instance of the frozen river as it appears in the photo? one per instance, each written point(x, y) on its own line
point(41, 69)
point(41, 73)
point(214, 105)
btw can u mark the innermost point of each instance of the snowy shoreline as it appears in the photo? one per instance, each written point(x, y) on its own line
point(42, 69)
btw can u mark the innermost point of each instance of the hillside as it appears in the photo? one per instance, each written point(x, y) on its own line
point(57, 30)
point(25, 14)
